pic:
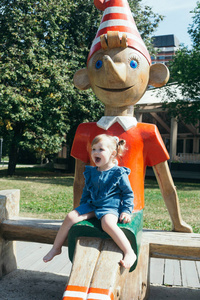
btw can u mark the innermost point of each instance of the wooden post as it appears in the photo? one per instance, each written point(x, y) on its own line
point(138, 116)
point(173, 138)
point(9, 208)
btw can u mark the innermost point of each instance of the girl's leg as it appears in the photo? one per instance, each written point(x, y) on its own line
point(109, 225)
point(72, 218)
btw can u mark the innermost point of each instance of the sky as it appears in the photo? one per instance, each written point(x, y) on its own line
point(177, 17)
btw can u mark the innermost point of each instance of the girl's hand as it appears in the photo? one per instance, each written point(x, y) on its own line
point(125, 218)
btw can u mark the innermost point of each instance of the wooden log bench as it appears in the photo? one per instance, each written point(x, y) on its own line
point(163, 244)
point(159, 244)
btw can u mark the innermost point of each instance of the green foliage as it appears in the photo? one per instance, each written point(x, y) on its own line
point(194, 29)
point(39, 45)
point(185, 74)
point(42, 44)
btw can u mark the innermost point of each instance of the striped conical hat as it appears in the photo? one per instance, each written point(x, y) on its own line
point(117, 17)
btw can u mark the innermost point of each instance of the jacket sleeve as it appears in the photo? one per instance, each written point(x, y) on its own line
point(85, 196)
point(127, 204)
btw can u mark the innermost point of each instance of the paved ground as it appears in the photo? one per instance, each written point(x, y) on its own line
point(33, 285)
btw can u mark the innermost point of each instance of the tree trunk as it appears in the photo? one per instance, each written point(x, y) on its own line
point(14, 150)
point(12, 159)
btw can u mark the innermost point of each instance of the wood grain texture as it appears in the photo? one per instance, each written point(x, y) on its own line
point(108, 273)
point(137, 282)
point(85, 258)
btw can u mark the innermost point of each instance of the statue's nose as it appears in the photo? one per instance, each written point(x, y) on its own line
point(115, 72)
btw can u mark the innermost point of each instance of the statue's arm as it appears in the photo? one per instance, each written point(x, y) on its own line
point(170, 196)
point(79, 181)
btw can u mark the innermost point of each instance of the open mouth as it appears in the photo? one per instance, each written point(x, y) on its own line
point(97, 159)
point(115, 90)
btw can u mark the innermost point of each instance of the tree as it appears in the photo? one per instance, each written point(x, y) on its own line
point(185, 75)
point(33, 91)
point(42, 44)
point(194, 28)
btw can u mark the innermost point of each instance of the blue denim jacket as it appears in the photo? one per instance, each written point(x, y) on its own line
point(108, 190)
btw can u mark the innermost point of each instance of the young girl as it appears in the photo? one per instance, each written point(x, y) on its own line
point(107, 195)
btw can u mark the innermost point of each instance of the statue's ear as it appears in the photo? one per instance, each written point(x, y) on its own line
point(81, 79)
point(159, 75)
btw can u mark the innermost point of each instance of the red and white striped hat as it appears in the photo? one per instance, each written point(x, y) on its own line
point(117, 17)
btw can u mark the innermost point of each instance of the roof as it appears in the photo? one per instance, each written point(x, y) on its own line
point(150, 97)
point(158, 95)
point(169, 40)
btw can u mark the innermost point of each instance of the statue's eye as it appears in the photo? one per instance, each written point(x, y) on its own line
point(98, 64)
point(133, 64)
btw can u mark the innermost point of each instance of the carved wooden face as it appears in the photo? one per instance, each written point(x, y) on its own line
point(118, 76)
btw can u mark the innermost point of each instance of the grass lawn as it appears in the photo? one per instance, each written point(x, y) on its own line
point(48, 194)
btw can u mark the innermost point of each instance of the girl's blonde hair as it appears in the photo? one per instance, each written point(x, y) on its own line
point(114, 143)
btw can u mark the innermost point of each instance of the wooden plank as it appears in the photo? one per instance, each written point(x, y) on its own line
point(173, 245)
point(58, 266)
point(157, 270)
point(172, 274)
point(189, 274)
point(25, 250)
point(32, 258)
point(38, 264)
point(66, 269)
point(108, 274)
point(86, 255)
point(59, 263)
point(137, 282)
point(198, 269)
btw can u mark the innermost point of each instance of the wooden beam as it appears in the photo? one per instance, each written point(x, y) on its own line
point(138, 116)
point(148, 109)
point(30, 230)
point(173, 138)
point(191, 128)
point(162, 243)
point(162, 123)
point(173, 245)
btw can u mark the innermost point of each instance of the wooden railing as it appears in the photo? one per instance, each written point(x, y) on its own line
point(188, 157)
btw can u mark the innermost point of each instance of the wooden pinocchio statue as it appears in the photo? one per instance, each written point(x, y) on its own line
point(119, 71)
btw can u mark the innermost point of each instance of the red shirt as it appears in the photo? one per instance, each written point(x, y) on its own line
point(144, 145)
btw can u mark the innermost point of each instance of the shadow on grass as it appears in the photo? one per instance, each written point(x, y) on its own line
point(183, 185)
point(50, 176)
point(40, 175)
point(65, 181)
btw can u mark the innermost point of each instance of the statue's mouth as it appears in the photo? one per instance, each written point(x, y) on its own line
point(115, 90)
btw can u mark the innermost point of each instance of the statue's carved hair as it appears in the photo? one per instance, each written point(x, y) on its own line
point(113, 40)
